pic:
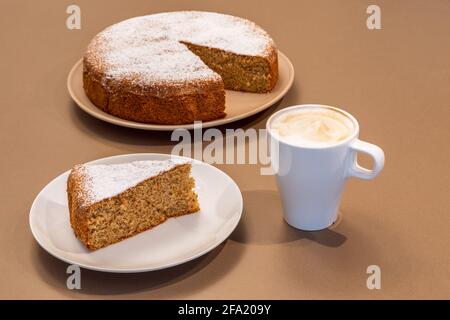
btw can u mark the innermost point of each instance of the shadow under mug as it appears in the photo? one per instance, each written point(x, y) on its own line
point(311, 179)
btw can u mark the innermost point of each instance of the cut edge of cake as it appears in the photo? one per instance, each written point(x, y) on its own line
point(254, 74)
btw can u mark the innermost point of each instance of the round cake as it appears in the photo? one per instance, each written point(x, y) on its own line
point(173, 68)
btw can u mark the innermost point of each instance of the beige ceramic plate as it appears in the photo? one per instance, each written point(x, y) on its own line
point(239, 105)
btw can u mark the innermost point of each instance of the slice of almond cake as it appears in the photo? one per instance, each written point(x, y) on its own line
point(109, 203)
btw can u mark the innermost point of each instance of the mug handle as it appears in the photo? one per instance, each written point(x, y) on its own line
point(377, 154)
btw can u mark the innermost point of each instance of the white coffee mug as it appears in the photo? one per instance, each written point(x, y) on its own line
point(311, 178)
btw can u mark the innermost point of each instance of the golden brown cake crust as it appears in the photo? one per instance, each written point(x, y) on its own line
point(78, 212)
point(121, 78)
point(124, 100)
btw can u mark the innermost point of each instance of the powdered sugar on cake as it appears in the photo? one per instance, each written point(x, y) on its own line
point(148, 49)
point(106, 181)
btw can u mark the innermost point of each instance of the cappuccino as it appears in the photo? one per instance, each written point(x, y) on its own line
point(312, 127)
point(313, 150)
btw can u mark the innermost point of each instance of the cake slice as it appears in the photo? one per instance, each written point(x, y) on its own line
point(109, 203)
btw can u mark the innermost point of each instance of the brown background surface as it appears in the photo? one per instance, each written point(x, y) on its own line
point(395, 81)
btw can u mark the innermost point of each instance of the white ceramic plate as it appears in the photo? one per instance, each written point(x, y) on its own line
point(239, 105)
point(176, 241)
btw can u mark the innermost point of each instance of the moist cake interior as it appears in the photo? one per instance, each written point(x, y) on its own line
point(238, 72)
